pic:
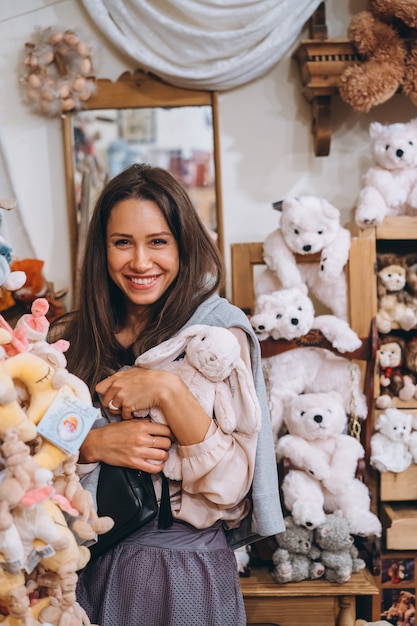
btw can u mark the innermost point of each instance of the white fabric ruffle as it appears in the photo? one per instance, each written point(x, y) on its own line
point(203, 44)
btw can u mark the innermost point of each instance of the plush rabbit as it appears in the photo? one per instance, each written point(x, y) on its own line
point(207, 359)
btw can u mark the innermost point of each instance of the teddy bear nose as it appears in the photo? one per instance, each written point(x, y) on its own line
point(318, 419)
point(399, 153)
point(307, 248)
point(294, 321)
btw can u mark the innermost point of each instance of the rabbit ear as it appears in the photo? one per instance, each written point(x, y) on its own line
point(245, 400)
point(169, 350)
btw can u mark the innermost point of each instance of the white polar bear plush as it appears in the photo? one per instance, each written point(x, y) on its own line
point(390, 441)
point(308, 225)
point(390, 184)
point(289, 313)
point(310, 370)
point(324, 461)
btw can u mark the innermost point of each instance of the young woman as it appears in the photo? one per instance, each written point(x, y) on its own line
point(151, 269)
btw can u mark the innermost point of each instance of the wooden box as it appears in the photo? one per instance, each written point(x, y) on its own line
point(399, 521)
point(399, 487)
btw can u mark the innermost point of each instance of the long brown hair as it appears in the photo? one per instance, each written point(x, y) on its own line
point(93, 352)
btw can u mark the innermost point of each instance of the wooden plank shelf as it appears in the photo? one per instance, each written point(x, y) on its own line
point(308, 602)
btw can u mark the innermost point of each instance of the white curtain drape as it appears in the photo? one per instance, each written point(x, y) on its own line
point(203, 44)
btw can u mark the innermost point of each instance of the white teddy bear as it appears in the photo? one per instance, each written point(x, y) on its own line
point(324, 461)
point(390, 184)
point(308, 225)
point(390, 441)
point(289, 313)
point(207, 359)
point(309, 370)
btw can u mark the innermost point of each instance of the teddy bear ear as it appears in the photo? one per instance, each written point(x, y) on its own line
point(375, 129)
point(329, 210)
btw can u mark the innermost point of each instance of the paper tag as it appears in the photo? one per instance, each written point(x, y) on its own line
point(67, 421)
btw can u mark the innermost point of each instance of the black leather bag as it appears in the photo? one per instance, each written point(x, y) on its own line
point(127, 495)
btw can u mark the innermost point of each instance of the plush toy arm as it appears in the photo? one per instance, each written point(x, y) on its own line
point(338, 332)
point(280, 556)
point(280, 260)
point(408, 389)
point(344, 462)
point(393, 192)
point(303, 455)
point(335, 256)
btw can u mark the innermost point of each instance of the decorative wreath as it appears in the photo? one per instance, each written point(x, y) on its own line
point(57, 71)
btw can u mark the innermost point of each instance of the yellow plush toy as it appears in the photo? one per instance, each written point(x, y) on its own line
point(35, 377)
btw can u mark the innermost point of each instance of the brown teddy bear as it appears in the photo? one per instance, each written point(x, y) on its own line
point(393, 382)
point(385, 35)
point(410, 358)
point(395, 304)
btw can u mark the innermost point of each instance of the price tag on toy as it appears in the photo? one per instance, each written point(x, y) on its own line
point(67, 421)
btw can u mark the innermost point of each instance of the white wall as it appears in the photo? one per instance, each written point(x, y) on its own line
point(265, 130)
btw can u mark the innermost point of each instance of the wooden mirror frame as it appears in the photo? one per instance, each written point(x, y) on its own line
point(139, 90)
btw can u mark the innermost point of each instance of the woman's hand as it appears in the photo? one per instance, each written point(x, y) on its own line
point(140, 389)
point(132, 390)
point(130, 443)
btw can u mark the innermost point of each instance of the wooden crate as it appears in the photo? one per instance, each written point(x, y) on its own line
point(399, 521)
point(398, 487)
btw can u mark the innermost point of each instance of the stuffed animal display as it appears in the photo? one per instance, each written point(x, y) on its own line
point(393, 380)
point(385, 36)
point(207, 359)
point(289, 314)
point(338, 553)
point(328, 551)
point(396, 292)
point(45, 514)
point(308, 225)
point(390, 441)
point(311, 370)
point(323, 463)
point(296, 558)
point(390, 185)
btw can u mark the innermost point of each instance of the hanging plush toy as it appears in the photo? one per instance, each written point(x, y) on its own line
point(384, 35)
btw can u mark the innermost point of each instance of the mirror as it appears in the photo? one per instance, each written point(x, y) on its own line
point(141, 118)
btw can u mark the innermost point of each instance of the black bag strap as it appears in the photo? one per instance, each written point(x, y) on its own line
point(165, 519)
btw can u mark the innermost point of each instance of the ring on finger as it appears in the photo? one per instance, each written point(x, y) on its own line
point(112, 406)
point(153, 442)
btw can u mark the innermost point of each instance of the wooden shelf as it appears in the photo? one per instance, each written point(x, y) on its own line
point(401, 227)
point(308, 602)
point(321, 64)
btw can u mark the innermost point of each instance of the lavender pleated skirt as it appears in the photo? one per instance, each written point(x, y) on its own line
point(176, 577)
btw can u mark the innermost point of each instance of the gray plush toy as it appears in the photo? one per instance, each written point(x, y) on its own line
point(337, 551)
point(296, 558)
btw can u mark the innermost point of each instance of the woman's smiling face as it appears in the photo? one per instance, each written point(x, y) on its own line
point(142, 253)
